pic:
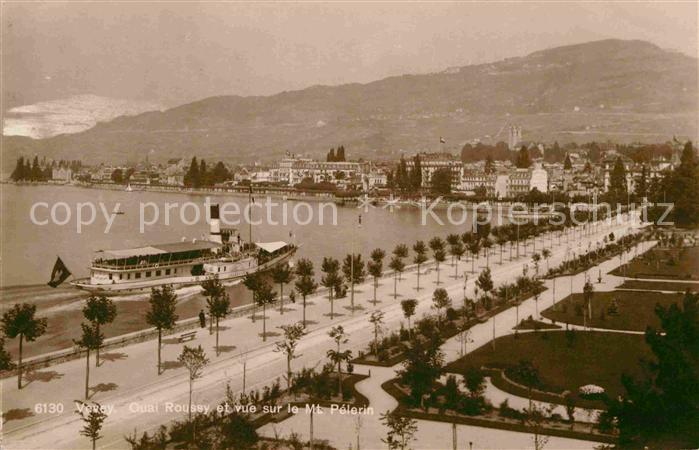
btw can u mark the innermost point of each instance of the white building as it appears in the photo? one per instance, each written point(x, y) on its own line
point(432, 162)
point(539, 179)
point(262, 176)
point(375, 179)
point(511, 183)
point(292, 171)
point(514, 137)
point(472, 180)
point(62, 174)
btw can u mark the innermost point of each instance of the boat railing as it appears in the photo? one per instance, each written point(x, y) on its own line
point(165, 263)
point(156, 265)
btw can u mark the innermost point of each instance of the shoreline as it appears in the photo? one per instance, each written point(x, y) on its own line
point(290, 194)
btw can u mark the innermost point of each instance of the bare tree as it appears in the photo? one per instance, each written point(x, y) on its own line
point(376, 319)
point(535, 419)
point(194, 359)
point(401, 430)
point(91, 339)
point(292, 336)
point(420, 258)
point(93, 417)
point(358, 427)
point(243, 359)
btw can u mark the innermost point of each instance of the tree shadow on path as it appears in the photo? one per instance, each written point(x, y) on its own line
point(270, 334)
point(16, 414)
point(45, 377)
point(226, 348)
point(103, 387)
point(169, 365)
point(111, 357)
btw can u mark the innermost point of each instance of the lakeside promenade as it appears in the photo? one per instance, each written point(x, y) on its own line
point(432, 434)
point(127, 380)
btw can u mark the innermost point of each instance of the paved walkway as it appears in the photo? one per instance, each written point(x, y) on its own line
point(128, 382)
point(435, 435)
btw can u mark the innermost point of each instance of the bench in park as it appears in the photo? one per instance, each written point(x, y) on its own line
point(187, 336)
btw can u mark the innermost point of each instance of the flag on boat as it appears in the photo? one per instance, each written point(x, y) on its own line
point(59, 274)
point(442, 140)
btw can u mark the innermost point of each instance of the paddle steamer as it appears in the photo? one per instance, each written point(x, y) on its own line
point(224, 255)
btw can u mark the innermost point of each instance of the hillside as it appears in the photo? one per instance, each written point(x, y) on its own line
point(611, 89)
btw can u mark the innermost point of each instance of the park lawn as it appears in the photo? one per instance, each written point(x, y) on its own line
point(636, 309)
point(598, 358)
point(673, 263)
point(677, 286)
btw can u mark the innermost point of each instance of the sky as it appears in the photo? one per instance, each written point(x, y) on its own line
point(173, 53)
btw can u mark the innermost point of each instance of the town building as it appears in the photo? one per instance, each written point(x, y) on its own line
point(521, 181)
point(64, 174)
point(514, 137)
point(432, 162)
point(293, 170)
point(474, 180)
point(376, 178)
point(656, 169)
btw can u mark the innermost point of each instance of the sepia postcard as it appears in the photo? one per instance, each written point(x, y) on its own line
point(349, 225)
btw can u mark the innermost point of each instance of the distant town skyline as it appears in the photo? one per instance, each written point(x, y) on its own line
point(180, 52)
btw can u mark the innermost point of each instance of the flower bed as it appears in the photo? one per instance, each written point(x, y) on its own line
point(530, 324)
point(494, 419)
point(392, 348)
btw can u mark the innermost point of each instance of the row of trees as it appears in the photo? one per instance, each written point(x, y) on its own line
point(410, 180)
point(354, 270)
point(680, 187)
point(120, 176)
point(40, 171)
point(405, 179)
point(557, 153)
point(424, 362)
point(500, 152)
point(30, 171)
point(21, 322)
point(334, 156)
point(198, 175)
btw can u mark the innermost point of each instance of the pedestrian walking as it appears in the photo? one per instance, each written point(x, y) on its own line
point(202, 319)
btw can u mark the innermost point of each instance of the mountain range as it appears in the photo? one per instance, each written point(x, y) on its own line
point(624, 91)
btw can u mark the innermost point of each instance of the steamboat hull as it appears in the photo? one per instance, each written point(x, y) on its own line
point(140, 286)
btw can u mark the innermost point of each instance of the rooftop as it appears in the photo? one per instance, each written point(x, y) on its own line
point(158, 249)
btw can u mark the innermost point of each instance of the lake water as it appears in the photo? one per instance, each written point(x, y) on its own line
point(29, 250)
